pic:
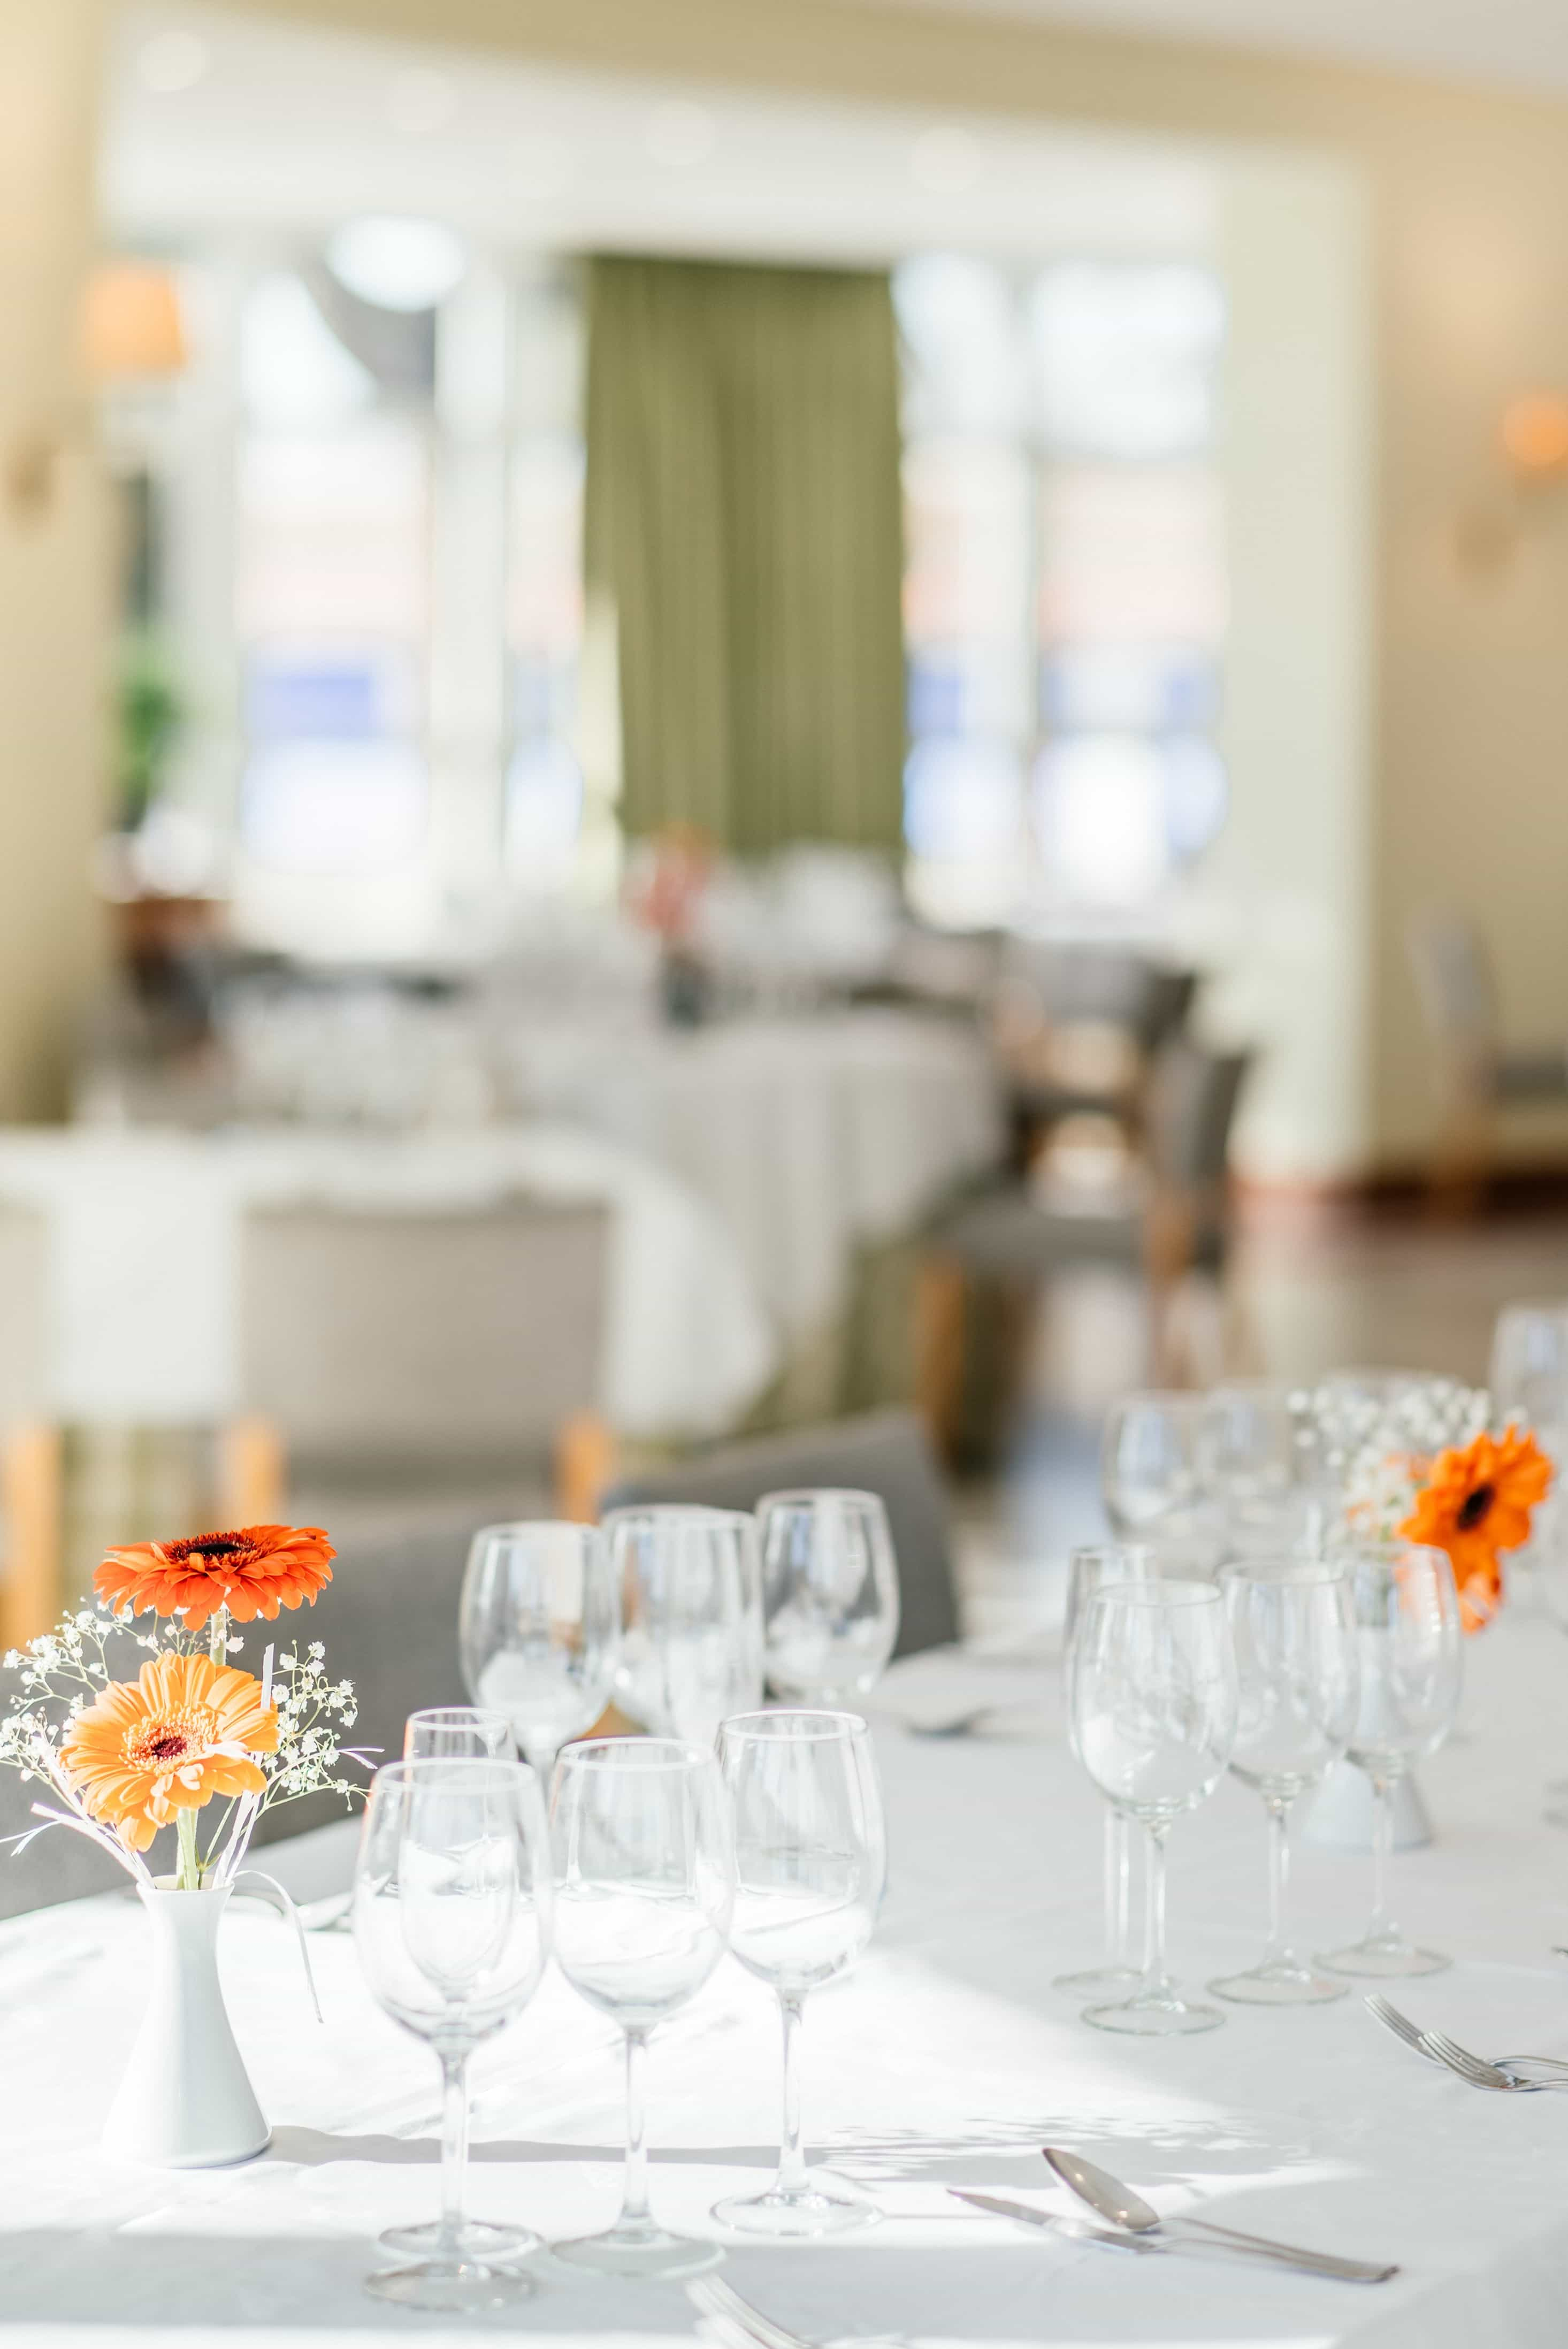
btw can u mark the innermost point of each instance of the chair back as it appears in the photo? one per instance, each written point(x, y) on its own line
point(377, 1332)
point(1190, 1109)
point(886, 1453)
point(1454, 979)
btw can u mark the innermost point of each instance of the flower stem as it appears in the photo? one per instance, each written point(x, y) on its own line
point(189, 1878)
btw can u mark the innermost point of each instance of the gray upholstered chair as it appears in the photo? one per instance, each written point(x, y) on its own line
point(398, 1335)
point(886, 1453)
point(1476, 1078)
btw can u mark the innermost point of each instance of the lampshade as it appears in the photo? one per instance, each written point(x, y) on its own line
point(130, 321)
point(1535, 433)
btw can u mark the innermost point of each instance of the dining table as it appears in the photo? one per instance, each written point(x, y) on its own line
point(944, 2058)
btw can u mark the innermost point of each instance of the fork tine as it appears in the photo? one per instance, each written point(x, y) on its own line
point(1463, 2064)
point(1471, 2067)
point(1399, 2025)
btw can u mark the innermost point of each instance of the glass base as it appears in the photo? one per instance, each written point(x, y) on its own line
point(1280, 1981)
point(476, 2240)
point(1096, 1979)
point(1386, 1956)
point(451, 2286)
point(817, 2208)
point(645, 2251)
point(1157, 2015)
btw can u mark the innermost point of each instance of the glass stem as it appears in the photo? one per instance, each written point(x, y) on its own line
point(453, 2151)
point(1382, 1926)
point(1118, 1890)
point(1155, 1984)
point(792, 2177)
point(633, 2192)
point(1278, 1809)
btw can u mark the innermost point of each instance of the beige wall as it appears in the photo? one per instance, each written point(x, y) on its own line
point(53, 570)
point(1470, 206)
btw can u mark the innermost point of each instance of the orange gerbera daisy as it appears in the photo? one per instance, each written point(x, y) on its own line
point(169, 1741)
point(1476, 1503)
point(252, 1571)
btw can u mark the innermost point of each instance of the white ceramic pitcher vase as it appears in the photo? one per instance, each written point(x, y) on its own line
point(186, 2101)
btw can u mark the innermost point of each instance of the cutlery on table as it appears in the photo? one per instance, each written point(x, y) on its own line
point(1119, 2203)
point(959, 1724)
point(740, 2324)
point(1516, 2075)
point(1072, 2229)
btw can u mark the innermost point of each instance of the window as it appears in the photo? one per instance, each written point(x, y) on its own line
point(391, 709)
point(1065, 597)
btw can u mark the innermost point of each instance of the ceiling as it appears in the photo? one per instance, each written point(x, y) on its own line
point(224, 127)
point(1522, 44)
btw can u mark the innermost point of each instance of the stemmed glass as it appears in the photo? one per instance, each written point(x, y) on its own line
point(1249, 1464)
point(1089, 1568)
point(1151, 1476)
point(1411, 1647)
point(448, 1731)
point(830, 1593)
point(1529, 1384)
point(1293, 1626)
point(810, 1860)
point(452, 1920)
point(539, 1628)
point(644, 1885)
point(1154, 1714)
point(690, 1604)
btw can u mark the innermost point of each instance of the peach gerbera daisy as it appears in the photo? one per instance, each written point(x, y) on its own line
point(1475, 1504)
point(169, 1741)
point(252, 1571)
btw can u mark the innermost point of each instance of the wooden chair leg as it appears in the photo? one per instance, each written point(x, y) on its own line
point(585, 1466)
point(252, 1476)
point(32, 1518)
point(939, 1350)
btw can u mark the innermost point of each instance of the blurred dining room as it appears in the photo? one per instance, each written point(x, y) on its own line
point(784, 1149)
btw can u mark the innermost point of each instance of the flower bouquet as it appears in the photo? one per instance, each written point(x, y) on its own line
point(1415, 1462)
point(196, 1743)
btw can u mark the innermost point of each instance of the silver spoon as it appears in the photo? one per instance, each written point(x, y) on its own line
point(1119, 2203)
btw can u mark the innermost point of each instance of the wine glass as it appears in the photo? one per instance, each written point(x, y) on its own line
point(448, 1731)
point(1249, 1464)
point(1089, 1567)
point(690, 1589)
point(1154, 1715)
point(1411, 1648)
point(645, 1884)
point(810, 1860)
point(830, 1593)
point(539, 1627)
point(1529, 1385)
point(452, 1920)
point(1298, 1676)
point(1151, 1476)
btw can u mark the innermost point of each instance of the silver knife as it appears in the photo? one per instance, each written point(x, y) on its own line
point(1071, 2230)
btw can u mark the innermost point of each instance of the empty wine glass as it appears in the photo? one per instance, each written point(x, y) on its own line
point(539, 1627)
point(1089, 1567)
point(1250, 1459)
point(1410, 1645)
point(690, 1597)
point(451, 1918)
point(450, 1731)
point(1151, 1476)
point(645, 1883)
point(830, 1593)
point(810, 1860)
point(1154, 1711)
point(1293, 1626)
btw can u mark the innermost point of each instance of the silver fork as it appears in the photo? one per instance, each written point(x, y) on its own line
point(742, 2326)
point(1476, 2070)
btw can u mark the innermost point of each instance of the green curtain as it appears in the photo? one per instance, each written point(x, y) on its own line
point(744, 524)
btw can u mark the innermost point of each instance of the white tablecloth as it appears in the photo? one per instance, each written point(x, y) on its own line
point(945, 2058)
point(806, 1136)
point(142, 1277)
